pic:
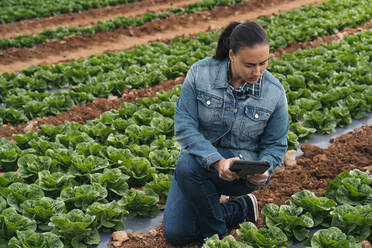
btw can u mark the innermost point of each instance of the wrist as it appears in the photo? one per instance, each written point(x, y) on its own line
point(216, 164)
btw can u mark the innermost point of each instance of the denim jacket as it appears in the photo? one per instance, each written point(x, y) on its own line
point(207, 115)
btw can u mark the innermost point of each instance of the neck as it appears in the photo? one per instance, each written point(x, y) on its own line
point(236, 81)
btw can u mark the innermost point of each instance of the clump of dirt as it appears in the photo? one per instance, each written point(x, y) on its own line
point(315, 168)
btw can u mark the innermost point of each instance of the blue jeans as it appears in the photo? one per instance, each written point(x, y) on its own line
point(193, 211)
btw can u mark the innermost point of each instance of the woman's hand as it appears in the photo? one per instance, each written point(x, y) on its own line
point(258, 179)
point(223, 168)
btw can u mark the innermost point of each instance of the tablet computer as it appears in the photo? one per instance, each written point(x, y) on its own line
point(247, 167)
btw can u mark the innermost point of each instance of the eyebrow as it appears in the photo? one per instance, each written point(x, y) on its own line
point(258, 63)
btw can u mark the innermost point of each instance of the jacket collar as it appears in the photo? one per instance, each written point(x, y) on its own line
point(221, 80)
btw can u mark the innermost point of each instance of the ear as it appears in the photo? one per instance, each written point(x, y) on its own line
point(231, 54)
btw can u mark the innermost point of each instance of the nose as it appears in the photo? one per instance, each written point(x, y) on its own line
point(256, 71)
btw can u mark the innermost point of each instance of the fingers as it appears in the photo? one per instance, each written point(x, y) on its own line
point(258, 179)
point(225, 173)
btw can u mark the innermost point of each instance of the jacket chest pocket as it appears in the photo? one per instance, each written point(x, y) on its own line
point(253, 122)
point(209, 109)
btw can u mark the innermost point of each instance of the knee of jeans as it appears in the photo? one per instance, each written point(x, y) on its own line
point(187, 166)
point(175, 236)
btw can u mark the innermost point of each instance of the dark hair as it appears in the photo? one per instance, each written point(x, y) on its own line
point(237, 35)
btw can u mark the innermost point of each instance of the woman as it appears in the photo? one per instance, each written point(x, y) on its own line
point(230, 108)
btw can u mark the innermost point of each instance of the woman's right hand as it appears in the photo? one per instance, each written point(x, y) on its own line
point(223, 168)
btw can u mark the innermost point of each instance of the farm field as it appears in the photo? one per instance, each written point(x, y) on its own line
point(87, 94)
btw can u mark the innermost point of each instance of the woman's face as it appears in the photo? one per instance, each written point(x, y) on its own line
point(249, 63)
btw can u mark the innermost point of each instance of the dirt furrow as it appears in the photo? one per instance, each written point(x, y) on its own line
point(94, 109)
point(89, 17)
point(81, 46)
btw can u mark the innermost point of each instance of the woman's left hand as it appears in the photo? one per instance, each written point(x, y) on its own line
point(258, 179)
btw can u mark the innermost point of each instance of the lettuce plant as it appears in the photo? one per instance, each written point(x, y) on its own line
point(32, 239)
point(121, 124)
point(72, 138)
point(117, 140)
point(318, 207)
point(139, 171)
point(109, 117)
point(20, 192)
point(271, 237)
point(118, 156)
point(53, 183)
point(289, 218)
point(144, 116)
point(127, 109)
point(139, 203)
point(353, 220)
point(140, 150)
point(11, 222)
point(9, 154)
point(163, 125)
point(8, 178)
point(140, 134)
point(162, 142)
point(84, 166)
point(162, 160)
point(113, 180)
point(30, 165)
point(82, 196)
point(61, 158)
point(41, 145)
point(22, 140)
point(91, 148)
point(228, 242)
point(331, 237)
point(75, 229)
point(41, 210)
point(98, 131)
point(108, 215)
point(352, 188)
point(165, 108)
point(160, 185)
point(3, 204)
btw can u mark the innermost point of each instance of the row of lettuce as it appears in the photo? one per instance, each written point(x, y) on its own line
point(326, 87)
point(16, 10)
point(74, 180)
point(333, 17)
point(25, 96)
point(342, 218)
point(112, 24)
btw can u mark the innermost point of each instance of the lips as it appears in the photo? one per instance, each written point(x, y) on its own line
point(253, 79)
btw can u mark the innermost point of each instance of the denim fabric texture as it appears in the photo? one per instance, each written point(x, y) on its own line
point(193, 211)
point(210, 123)
point(207, 113)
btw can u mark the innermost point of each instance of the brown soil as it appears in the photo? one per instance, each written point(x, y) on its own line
point(94, 109)
point(89, 17)
point(81, 46)
point(315, 168)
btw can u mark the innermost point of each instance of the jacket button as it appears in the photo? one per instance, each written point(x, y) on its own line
point(256, 116)
point(208, 102)
point(235, 111)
